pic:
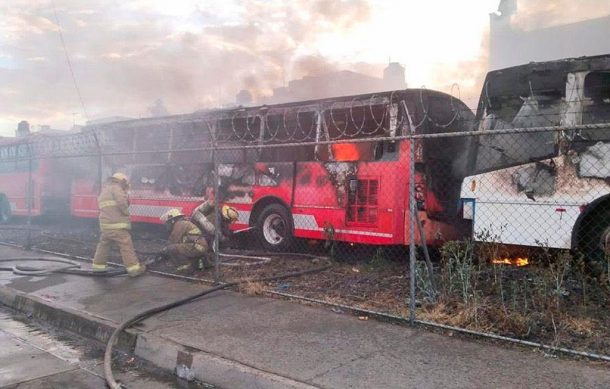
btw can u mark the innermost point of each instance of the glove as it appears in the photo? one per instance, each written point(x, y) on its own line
point(164, 253)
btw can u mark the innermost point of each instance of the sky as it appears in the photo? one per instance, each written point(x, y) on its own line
point(194, 54)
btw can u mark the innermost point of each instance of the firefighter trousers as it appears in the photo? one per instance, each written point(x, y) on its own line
point(196, 250)
point(121, 239)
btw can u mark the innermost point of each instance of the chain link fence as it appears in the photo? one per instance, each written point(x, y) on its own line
point(498, 222)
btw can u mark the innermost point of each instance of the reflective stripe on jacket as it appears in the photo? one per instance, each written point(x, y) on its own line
point(184, 231)
point(114, 207)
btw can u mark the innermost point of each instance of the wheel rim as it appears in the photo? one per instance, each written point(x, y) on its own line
point(274, 229)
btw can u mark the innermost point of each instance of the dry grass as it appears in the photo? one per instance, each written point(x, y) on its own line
point(481, 317)
point(438, 313)
point(252, 288)
point(581, 326)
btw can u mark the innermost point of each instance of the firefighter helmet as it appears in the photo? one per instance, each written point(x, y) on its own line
point(229, 213)
point(171, 214)
point(120, 177)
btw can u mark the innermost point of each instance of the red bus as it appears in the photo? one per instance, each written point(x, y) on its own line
point(50, 178)
point(15, 180)
point(297, 170)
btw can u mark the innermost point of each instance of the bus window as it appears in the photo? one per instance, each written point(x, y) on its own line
point(534, 102)
point(290, 126)
point(596, 108)
point(362, 201)
point(354, 123)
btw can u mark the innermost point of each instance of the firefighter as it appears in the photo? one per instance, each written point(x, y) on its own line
point(205, 217)
point(114, 226)
point(185, 239)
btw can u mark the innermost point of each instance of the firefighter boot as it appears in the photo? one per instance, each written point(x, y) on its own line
point(203, 263)
point(99, 268)
point(136, 270)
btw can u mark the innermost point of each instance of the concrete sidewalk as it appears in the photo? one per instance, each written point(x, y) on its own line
point(236, 341)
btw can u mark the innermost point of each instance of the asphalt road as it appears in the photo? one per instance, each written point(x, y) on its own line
point(34, 357)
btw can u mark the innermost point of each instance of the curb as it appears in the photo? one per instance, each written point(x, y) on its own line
point(186, 362)
point(77, 322)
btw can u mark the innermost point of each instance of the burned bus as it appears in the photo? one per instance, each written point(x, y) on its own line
point(543, 188)
point(325, 169)
point(34, 178)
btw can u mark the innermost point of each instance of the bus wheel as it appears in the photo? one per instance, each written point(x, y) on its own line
point(5, 210)
point(594, 239)
point(274, 228)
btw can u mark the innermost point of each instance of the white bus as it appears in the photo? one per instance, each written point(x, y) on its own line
point(548, 189)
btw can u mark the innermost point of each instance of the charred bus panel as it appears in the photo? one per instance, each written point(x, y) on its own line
point(550, 176)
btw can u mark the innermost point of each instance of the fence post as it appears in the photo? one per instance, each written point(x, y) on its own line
point(100, 160)
point(30, 196)
point(217, 230)
point(412, 227)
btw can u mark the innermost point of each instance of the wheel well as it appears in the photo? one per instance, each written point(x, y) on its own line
point(261, 204)
point(586, 216)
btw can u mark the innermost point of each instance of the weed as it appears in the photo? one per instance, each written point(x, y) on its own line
point(379, 261)
point(424, 282)
point(252, 288)
point(554, 297)
point(558, 270)
point(330, 243)
point(458, 270)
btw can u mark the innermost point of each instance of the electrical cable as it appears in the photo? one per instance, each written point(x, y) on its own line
point(63, 43)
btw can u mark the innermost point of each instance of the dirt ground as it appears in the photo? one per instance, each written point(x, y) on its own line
point(362, 277)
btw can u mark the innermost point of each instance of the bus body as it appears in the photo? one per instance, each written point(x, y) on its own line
point(275, 169)
point(14, 186)
point(543, 188)
point(50, 188)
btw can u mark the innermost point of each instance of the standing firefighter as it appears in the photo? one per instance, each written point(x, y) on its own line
point(114, 226)
point(185, 238)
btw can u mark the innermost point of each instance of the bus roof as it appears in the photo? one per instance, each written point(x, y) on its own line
point(415, 97)
point(543, 77)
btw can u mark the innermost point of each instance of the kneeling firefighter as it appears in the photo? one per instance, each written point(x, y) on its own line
point(192, 238)
point(205, 217)
point(185, 239)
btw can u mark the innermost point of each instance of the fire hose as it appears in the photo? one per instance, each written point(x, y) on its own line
point(110, 380)
point(68, 267)
point(72, 267)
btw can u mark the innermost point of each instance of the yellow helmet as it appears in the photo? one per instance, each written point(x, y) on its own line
point(120, 177)
point(229, 213)
point(169, 215)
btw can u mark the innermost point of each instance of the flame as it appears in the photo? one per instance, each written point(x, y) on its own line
point(346, 152)
point(519, 261)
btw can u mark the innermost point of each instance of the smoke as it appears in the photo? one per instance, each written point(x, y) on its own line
point(195, 54)
point(464, 79)
point(538, 14)
point(313, 66)
point(126, 55)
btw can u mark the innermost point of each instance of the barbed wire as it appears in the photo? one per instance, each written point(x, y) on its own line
point(376, 117)
point(227, 147)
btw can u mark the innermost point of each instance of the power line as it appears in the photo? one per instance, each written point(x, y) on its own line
point(63, 43)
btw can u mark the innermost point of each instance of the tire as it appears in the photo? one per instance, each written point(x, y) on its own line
point(274, 228)
point(5, 210)
point(594, 235)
